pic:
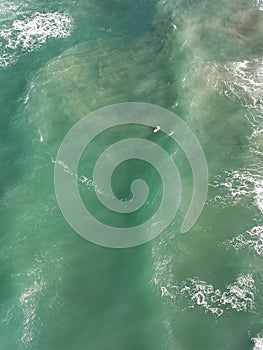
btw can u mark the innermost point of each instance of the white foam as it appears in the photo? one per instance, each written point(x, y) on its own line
point(29, 300)
point(30, 33)
point(259, 4)
point(240, 81)
point(238, 296)
point(6, 9)
point(238, 184)
point(6, 59)
point(81, 179)
point(252, 239)
point(258, 343)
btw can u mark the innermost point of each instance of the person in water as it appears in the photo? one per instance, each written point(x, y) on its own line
point(157, 128)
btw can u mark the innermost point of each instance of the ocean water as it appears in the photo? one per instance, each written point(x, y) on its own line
point(61, 60)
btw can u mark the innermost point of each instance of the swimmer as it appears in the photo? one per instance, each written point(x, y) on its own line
point(157, 128)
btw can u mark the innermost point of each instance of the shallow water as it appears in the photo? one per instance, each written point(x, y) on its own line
point(59, 61)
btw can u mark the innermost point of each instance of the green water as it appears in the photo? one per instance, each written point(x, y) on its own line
point(203, 61)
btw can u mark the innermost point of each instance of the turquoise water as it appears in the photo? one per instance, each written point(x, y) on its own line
point(202, 60)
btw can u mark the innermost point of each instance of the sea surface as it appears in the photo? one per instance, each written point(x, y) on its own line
point(61, 60)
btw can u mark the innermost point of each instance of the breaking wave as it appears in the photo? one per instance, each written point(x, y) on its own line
point(252, 239)
point(240, 81)
point(30, 33)
point(258, 343)
point(238, 296)
point(236, 185)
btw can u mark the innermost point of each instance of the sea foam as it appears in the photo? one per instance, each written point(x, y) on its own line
point(32, 32)
point(238, 295)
